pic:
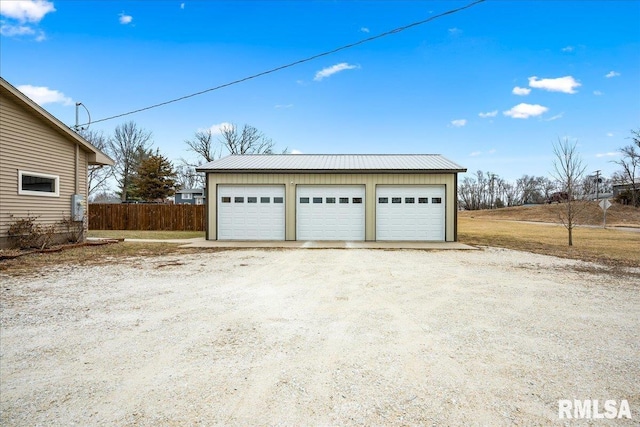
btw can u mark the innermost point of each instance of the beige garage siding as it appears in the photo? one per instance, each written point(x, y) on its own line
point(27, 143)
point(369, 180)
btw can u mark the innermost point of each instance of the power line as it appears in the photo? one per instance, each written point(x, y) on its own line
point(301, 61)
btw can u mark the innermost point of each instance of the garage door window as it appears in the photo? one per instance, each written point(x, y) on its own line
point(252, 200)
point(344, 200)
point(304, 200)
point(423, 200)
point(317, 200)
point(265, 199)
point(409, 200)
point(278, 200)
point(436, 200)
point(383, 200)
point(238, 200)
point(396, 200)
point(226, 200)
point(331, 199)
point(357, 200)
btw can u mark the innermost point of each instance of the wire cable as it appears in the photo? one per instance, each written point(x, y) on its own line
point(301, 61)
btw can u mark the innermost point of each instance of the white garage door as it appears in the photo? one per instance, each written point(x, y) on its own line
point(254, 212)
point(331, 212)
point(410, 212)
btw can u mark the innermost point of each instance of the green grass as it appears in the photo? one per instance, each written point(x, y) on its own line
point(141, 234)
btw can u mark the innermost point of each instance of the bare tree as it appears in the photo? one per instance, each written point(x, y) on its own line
point(187, 177)
point(204, 145)
point(98, 174)
point(568, 172)
point(249, 140)
point(129, 146)
point(630, 164)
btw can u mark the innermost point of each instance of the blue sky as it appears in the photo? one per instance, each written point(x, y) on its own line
point(491, 87)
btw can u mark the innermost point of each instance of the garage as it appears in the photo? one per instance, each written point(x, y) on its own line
point(251, 212)
point(410, 212)
point(339, 197)
point(331, 212)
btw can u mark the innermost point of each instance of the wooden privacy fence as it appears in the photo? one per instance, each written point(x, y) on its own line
point(146, 217)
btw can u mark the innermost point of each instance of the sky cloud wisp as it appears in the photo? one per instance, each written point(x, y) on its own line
point(488, 114)
point(566, 84)
point(524, 111)
point(522, 91)
point(608, 154)
point(329, 71)
point(612, 74)
point(458, 123)
point(42, 95)
point(125, 19)
point(26, 11)
point(364, 30)
point(217, 129)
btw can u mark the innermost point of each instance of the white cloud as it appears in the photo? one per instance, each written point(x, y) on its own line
point(181, 5)
point(568, 49)
point(609, 133)
point(566, 84)
point(42, 95)
point(455, 31)
point(488, 114)
point(608, 154)
point(329, 71)
point(458, 123)
point(218, 128)
point(475, 153)
point(556, 117)
point(26, 10)
point(296, 152)
point(125, 19)
point(16, 30)
point(612, 74)
point(283, 106)
point(521, 91)
point(524, 111)
point(364, 29)
point(597, 93)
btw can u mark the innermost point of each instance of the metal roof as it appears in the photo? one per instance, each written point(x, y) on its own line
point(326, 163)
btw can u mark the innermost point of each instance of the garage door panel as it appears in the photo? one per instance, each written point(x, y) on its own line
point(249, 212)
point(409, 213)
point(329, 212)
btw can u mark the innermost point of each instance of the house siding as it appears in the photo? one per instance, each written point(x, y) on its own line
point(28, 143)
point(370, 180)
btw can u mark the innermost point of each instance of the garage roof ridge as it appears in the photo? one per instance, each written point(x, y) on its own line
point(331, 162)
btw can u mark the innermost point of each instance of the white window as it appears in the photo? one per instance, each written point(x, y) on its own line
point(38, 184)
point(186, 196)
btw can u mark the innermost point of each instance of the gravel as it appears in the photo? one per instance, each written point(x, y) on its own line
point(318, 337)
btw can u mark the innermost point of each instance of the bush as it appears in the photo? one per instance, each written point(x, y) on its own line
point(24, 233)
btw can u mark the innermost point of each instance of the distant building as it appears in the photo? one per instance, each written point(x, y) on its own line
point(190, 196)
point(623, 187)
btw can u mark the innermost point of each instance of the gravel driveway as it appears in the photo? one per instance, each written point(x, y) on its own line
point(318, 337)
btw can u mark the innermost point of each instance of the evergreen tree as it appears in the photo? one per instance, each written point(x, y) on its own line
point(154, 180)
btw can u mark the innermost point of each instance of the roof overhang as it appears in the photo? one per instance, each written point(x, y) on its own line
point(95, 156)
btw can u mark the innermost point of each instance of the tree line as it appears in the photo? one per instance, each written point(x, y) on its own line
point(141, 173)
point(487, 190)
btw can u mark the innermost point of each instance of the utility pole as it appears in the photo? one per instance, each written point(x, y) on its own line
point(597, 183)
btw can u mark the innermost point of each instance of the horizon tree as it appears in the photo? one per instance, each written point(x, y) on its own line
point(568, 172)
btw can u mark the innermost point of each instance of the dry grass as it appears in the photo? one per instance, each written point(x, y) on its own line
point(606, 246)
point(89, 255)
point(617, 215)
point(142, 234)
